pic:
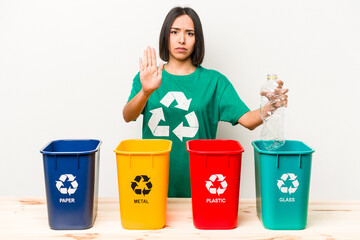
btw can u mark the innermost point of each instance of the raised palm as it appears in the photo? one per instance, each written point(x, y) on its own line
point(150, 75)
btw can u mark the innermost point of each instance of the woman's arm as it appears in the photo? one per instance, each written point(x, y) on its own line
point(251, 119)
point(150, 78)
point(134, 107)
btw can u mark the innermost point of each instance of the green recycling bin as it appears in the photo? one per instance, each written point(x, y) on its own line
point(282, 184)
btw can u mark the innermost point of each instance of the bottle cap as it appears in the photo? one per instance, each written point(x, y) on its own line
point(271, 76)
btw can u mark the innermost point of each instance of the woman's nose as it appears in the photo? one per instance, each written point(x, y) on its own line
point(182, 38)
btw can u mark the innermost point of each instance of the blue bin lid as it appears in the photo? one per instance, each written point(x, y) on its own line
point(291, 147)
point(71, 147)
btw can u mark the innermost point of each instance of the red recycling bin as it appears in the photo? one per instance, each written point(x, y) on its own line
point(215, 182)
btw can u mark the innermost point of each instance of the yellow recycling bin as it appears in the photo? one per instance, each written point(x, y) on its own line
point(143, 176)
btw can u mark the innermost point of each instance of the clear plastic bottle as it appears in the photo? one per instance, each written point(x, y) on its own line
point(272, 132)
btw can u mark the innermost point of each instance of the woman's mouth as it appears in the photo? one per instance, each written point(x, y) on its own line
point(180, 49)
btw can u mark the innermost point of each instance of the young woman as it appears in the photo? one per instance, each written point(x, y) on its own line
point(181, 100)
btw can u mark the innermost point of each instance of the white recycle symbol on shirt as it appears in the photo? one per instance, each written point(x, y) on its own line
point(223, 184)
point(294, 183)
point(180, 131)
point(60, 184)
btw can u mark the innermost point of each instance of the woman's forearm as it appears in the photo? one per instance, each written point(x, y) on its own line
point(251, 119)
point(134, 107)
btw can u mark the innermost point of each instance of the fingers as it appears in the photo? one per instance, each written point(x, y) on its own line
point(148, 59)
point(153, 57)
point(280, 83)
point(282, 96)
point(278, 97)
point(280, 91)
point(269, 95)
point(285, 91)
point(145, 59)
point(160, 69)
point(149, 55)
point(281, 101)
point(141, 65)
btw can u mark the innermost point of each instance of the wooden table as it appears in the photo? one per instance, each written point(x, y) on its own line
point(26, 218)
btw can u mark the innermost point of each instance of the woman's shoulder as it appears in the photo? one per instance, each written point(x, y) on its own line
point(213, 74)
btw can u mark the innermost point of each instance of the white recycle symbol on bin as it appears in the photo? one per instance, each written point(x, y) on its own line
point(73, 184)
point(294, 183)
point(210, 186)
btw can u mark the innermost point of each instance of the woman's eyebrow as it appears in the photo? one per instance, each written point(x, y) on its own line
point(188, 30)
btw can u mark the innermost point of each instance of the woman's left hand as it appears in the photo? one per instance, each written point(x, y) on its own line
point(277, 99)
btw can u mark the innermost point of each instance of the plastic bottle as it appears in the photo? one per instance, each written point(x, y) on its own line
point(272, 133)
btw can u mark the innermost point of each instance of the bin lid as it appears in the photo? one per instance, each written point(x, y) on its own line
point(291, 147)
point(144, 147)
point(214, 146)
point(71, 147)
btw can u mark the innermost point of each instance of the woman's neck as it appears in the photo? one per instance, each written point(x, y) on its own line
point(176, 67)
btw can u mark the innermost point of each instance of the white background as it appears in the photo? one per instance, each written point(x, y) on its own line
point(66, 69)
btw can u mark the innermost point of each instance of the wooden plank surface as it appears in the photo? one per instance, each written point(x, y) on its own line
point(26, 218)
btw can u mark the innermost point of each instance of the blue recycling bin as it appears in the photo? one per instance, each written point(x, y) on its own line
point(71, 169)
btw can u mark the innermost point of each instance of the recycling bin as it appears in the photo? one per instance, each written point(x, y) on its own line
point(71, 169)
point(215, 182)
point(282, 184)
point(143, 178)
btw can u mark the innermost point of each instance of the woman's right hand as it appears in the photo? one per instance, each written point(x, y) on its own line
point(150, 75)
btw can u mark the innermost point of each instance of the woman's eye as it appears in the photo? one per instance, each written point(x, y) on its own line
point(191, 34)
point(173, 32)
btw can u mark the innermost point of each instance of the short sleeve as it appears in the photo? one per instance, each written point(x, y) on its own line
point(136, 87)
point(231, 107)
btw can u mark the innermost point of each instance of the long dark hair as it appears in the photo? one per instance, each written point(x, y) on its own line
point(198, 53)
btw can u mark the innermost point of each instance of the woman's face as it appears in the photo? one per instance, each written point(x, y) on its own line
point(182, 38)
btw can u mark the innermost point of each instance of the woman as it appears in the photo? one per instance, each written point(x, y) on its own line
point(181, 100)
